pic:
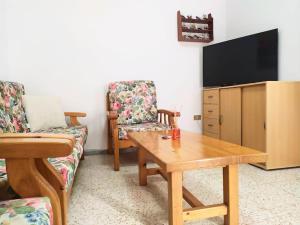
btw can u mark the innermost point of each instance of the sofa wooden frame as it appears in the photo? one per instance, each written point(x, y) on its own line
point(25, 154)
point(114, 144)
point(53, 177)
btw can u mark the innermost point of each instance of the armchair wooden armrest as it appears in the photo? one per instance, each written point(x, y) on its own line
point(112, 115)
point(168, 112)
point(167, 117)
point(74, 117)
point(26, 157)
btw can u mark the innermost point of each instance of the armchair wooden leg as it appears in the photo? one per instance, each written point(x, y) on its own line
point(109, 140)
point(116, 150)
point(110, 144)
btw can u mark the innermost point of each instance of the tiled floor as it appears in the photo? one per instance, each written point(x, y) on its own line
point(104, 197)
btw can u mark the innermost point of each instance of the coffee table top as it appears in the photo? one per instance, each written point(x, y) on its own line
point(193, 151)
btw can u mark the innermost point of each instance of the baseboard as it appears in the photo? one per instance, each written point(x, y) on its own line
point(95, 152)
point(104, 151)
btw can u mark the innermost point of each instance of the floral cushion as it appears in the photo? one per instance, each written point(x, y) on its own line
point(124, 129)
point(12, 113)
point(67, 166)
point(30, 211)
point(134, 101)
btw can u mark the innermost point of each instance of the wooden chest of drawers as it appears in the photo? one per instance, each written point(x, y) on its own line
point(211, 106)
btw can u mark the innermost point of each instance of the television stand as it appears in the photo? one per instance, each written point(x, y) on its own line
point(263, 116)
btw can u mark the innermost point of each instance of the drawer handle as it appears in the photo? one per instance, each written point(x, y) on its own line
point(210, 111)
point(220, 119)
point(210, 125)
point(210, 96)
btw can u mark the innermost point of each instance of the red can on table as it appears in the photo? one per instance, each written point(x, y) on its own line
point(175, 133)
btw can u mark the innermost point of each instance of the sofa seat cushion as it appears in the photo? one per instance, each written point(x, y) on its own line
point(79, 132)
point(134, 101)
point(156, 126)
point(67, 166)
point(26, 212)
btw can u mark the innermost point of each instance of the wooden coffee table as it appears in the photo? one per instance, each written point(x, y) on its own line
point(193, 151)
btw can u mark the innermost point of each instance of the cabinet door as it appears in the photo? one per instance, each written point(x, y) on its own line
point(254, 117)
point(230, 115)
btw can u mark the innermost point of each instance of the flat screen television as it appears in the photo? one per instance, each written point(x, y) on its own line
point(248, 59)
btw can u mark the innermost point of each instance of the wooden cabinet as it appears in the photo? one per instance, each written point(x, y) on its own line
point(254, 117)
point(264, 116)
point(230, 115)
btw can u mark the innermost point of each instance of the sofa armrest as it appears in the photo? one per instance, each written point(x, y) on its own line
point(23, 153)
point(35, 145)
point(76, 114)
point(74, 117)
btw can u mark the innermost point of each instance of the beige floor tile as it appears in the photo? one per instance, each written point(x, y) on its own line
point(101, 196)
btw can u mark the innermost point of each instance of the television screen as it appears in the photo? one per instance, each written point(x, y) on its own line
point(249, 59)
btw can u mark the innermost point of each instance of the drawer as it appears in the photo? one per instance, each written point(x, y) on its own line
point(211, 125)
point(212, 135)
point(211, 111)
point(211, 96)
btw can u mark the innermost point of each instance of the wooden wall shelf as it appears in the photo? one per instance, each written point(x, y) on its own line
point(195, 29)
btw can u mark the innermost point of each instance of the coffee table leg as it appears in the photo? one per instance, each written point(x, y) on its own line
point(175, 198)
point(230, 191)
point(142, 167)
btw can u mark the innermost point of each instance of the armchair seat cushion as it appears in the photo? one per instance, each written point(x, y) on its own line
point(154, 126)
point(26, 212)
point(67, 166)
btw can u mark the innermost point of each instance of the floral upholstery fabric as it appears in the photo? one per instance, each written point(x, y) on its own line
point(134, 101)
point(124, 129)
point(12, 113)
point(3, 175)
point(68, 165)
point(30, 211)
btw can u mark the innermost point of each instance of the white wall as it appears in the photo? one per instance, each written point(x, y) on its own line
point(3, 42)
point(252, 16)
point(73, 48)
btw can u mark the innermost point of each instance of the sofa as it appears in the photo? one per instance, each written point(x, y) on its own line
point(58, 171)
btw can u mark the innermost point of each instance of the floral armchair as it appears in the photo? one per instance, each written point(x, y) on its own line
point(132, 106)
